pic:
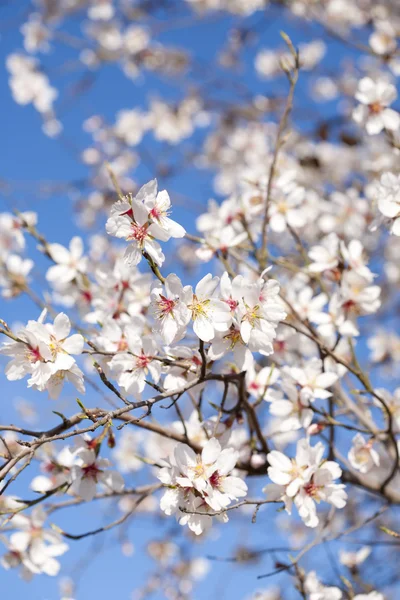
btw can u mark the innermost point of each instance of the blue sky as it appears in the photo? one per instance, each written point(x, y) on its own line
point(28, 157)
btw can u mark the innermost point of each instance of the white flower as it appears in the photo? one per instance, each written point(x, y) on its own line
point(131, 369)
point(179, 376)
point(131, 126)
point(362, 456)
point(37, 547)
point(286, 206)
point(373, 113)
point(169, 309)
point(30, 356)
point(317, 591)
point(58, 340)
point(126, 452)
point(293, 474)
point(259, 383)
point(321, 487)
point(73, 375)
point(200, 483)
point(325, 256)
point(383, 39)
point(305, 481)
point(56, 469)
point(91, 470)
point(353, 559)
point(387, 192)
point(68, 262)
point(259, 314)
point(130, 220)
point(209, 313)
point(14, 279)
point(43, 351)
point(159, 206)
point(293, 407)
point(357, 296)
point(312, 379)
point(353, 254)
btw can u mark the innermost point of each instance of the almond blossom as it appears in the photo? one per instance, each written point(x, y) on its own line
point(132, 368)
point(33, 546)
point(200, 484)
point(170, 311)
point(209, 314)
point(259, 314)
point(362, 456)
point(305, 481)
point(141, 220)
point(43, 351)
point(318, 591)
point(373, 112)
point(68, 262)
point(90, 470)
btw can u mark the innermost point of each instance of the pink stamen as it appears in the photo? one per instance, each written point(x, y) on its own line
point(166, 305)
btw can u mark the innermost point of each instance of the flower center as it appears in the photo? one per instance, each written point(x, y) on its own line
point(155, 212)
point(375, 108)
point(138, 233)
point(166, 305)
point(215, 479)
point(311, 489)
point(198, 307)
point(142, 361)
point(33, 355)
point(91, 471)
point(232, 304)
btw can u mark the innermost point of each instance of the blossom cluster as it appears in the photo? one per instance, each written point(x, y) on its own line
point(200, 485)
point(239, 363)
